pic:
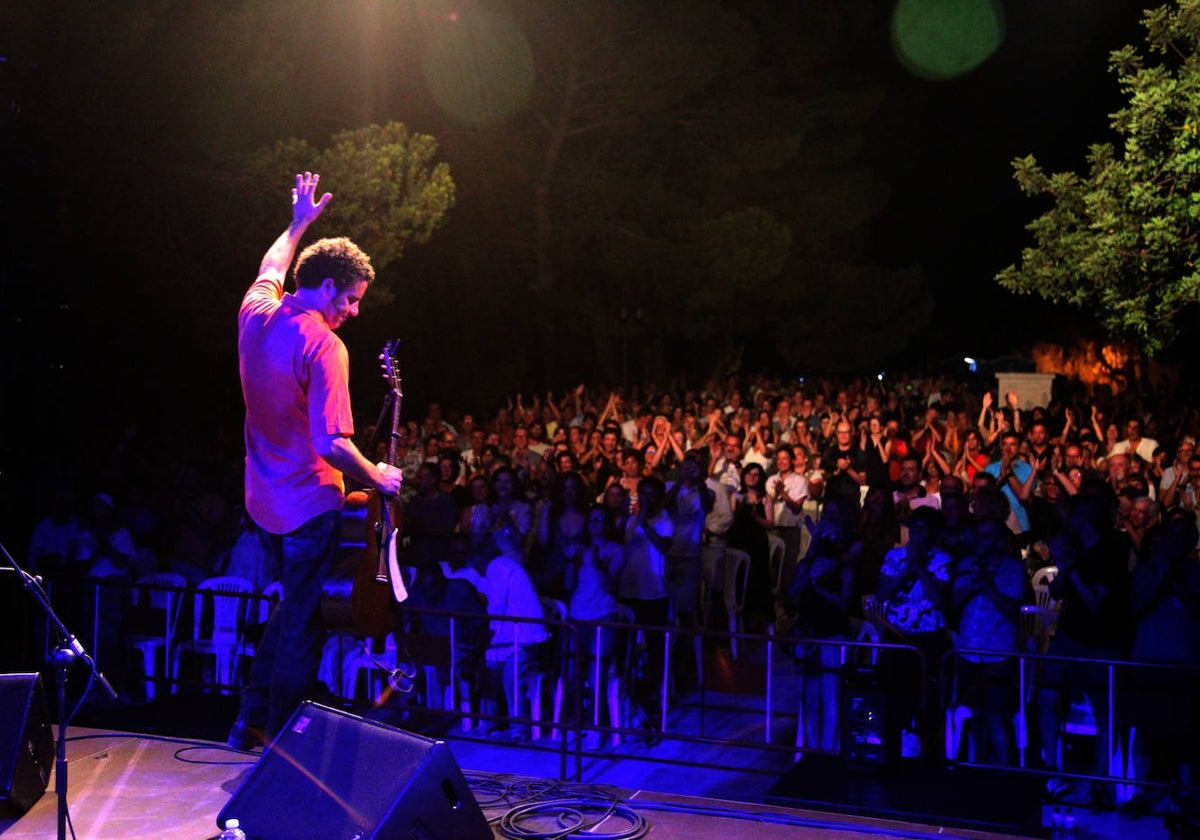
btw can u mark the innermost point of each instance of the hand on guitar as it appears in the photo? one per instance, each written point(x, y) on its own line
point(390, 479)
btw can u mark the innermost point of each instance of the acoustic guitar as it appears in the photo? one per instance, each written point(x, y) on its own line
point(365, 585)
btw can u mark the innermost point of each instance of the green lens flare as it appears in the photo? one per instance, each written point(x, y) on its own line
point(479, 69)
point(943, 39)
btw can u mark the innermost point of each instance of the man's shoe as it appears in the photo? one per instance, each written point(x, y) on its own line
point(245, 737)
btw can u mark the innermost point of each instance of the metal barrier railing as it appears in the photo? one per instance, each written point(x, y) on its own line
point(632, 665)
point(112, 616)
point(570, 676)
point(1119, 676)
point(101, 612)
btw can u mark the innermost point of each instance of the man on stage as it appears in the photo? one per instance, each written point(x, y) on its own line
point(295, 383)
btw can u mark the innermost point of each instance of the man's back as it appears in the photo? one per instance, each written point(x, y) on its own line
point(294, 382)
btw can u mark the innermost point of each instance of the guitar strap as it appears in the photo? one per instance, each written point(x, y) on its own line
point(391, 551)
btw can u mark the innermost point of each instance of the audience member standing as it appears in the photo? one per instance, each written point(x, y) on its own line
point(753, 516)
point(510, 518)
point(821, 596)
point(1016, 479)
point(1092, 587)
point(649, 534)
point(430, 518)
point(688, 501)
point(787, 492)
point(1163, 703)
point(561, 533)
point(842, 466)
point(988, 590)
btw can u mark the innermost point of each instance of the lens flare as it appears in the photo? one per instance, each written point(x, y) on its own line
point(479, 69)
point(943, 39)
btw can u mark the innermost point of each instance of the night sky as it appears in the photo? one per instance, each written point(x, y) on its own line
point(947, 148)
point(101, 156)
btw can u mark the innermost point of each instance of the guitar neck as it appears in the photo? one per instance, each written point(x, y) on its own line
point(394, 442)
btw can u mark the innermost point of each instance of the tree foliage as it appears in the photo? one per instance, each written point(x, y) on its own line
point(1122, 240)
point(390, 190)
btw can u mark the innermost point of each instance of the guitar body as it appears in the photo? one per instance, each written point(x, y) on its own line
point(372, 604)
point(358, 596)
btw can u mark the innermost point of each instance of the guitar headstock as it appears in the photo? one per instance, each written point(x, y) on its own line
point(390, 365)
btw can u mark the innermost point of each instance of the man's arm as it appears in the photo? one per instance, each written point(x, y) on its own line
point(343, 455)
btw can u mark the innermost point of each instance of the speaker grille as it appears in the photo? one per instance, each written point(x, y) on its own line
point(334, 775)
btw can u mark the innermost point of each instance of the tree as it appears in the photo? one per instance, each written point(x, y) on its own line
point(1124, 240)
point(391, 192)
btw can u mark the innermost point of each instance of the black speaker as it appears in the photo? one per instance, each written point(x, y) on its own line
point(26, 743)
point(337, 776)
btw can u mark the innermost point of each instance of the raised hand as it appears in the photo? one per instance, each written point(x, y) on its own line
point(305, 208)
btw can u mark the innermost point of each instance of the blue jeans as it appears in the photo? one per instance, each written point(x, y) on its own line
point(286, 661)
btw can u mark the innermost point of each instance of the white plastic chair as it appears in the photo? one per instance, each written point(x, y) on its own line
point(776, 549)
point(228, 611)
point(1037, 627)
point(737, 577)
point(338, 648)
point(154, 587)
point(1041, 586)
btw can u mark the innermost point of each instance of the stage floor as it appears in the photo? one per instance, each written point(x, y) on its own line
point(133, 786)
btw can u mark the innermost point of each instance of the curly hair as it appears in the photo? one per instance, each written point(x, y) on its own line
point(338, 259)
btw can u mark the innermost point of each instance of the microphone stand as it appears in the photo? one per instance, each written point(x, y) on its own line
point(67, 652)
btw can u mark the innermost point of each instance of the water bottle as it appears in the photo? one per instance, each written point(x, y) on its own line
point(233, 831)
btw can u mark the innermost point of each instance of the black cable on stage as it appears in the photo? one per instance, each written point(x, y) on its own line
point(575, 802)
point(188, 745)
point(575, 818)
point(776, 818)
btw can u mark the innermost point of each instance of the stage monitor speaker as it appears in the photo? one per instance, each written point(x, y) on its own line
point(26, 743)
point(337, 776)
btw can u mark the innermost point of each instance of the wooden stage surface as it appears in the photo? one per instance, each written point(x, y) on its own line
point(132, 786)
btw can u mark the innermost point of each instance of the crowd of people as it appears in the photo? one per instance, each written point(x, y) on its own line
point(934, 498)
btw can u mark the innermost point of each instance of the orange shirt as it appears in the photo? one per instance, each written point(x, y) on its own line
point(295, 383)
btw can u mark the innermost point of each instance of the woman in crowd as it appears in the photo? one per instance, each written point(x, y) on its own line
point(617, 502)
point(510, 519)
point(879, 530)
point(643, 585)
point(973, 459)
point(753, 516)
point(561, 534)
point(591, 578)
point(876, 447)
point(821, 596)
